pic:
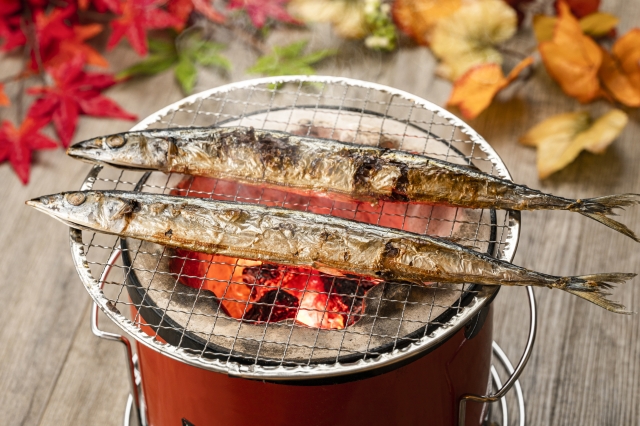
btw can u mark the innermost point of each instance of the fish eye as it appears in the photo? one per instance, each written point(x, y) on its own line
point(75, 198)
point(115, 141)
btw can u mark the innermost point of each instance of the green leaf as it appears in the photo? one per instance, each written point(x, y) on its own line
point(289, 60)
point(186, 74)
point(163, 56)
point(154, 64)
point(160, 46)
point(208, 53)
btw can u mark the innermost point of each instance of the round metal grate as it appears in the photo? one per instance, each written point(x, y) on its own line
point(385, 323)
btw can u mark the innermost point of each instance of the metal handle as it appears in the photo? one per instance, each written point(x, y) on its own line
point(516, 372)
point(118, 338)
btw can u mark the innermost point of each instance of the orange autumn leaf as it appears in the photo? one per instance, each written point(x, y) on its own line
point(417, 18)
point(4, 99)
point(617, 82)
point(561, 138)
point(474, 91)
point(572, 58)
point(627, 50)
point(620, 71)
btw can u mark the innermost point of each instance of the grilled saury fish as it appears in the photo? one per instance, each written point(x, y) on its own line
point(290, 237)
point(306, 164)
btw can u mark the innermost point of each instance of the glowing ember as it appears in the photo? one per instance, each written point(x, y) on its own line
point(258, 292)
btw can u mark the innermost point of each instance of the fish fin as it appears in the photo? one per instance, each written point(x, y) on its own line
point(613, 224)
point(601, 207)
point(593, 288)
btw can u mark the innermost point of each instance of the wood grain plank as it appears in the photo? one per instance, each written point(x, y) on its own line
point(93, 386)
point(585, 368)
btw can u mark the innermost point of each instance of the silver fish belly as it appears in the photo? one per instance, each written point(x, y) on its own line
point(289, 237)
point(311, 165)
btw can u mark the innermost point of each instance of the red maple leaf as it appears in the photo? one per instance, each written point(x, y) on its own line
point(101, 5)
point(260, 10)
point(137, 17)
point(11, 25)
point(75, 92)
point(59, 39)
point(8, 8)
point(66, 49)
point(181, 9)
point(16, 145)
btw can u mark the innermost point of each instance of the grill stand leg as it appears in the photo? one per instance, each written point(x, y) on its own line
point(131, 417)
point(135, 409)
point(497, 383)
point(514, 373)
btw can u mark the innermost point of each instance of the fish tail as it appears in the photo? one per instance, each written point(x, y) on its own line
point(594, 289)
point(601, 208)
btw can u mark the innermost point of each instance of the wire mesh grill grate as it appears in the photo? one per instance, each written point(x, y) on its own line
point(154, 285)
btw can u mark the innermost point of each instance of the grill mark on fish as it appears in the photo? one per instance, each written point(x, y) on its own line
point(311, 165)
point(277, 235)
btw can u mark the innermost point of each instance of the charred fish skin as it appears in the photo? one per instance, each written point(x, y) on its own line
point(297, 238)
point(313, 165)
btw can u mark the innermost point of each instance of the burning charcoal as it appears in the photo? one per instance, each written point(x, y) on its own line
point(273, 306)
point(261, 274)
point(351, 290)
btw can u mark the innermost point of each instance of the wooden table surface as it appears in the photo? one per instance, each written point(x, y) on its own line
point(585, 367)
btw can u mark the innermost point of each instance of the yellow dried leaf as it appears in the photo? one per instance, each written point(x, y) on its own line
point(561, 138)
point(417, 18)
point(543, 26)
point(468, 37)
point(346, 16)
point(473, 92)
point(598, 24)
point(603, 131)
point(556, 129)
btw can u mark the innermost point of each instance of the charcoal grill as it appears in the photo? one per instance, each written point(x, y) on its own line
point(396, 324)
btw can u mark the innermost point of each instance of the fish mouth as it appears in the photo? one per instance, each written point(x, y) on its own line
point(40, 206)
point(88, 150)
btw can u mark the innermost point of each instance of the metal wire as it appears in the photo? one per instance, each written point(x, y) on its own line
point(381, 320)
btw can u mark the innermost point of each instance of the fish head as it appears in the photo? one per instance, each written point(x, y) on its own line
point(93, 210)
point(144, 150)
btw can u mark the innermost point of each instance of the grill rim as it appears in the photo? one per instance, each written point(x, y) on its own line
point(307, 372)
